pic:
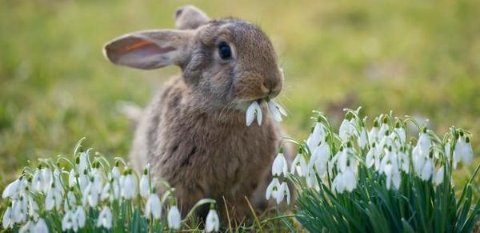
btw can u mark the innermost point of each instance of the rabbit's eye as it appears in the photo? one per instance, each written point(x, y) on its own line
point(224, 51)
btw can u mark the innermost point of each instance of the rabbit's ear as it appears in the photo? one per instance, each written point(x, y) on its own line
point(150, 49)
point(190, 17)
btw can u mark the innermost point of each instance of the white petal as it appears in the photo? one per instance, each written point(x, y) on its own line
point(427, 170)
point(250, 113)
point(271, 188)
point(144, 186)
point(280, 166)
point(439, 175)
point(7, 218)
point(350, 180)
point(173, 218)
point(105, 218)
point(259, 114)
point(11, 189)
point(153, 206)
point(212, 223)
point(41, 226)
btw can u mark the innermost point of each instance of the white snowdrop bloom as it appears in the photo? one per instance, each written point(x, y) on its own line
point(115, 172)
point(282, 193)
point(311, 179)
point(32, 208)
point(404, 161)
point(47, 179)
point(350, 181)
point(427, 170)
point(439, 176)
point(347, 129)
point(338, 184)
point(105, 218)
point(72, 179)
point(299, 165)
point(392, 176)
point(463, 151)
point(254, 111)
point(68, 221)
point(153, 207)
point(401, 134)
point(319, 159)
point(80, 217)
point(212, 223)
point(8, 219)
point(383, 130)
point(389, 158)
point(11, 190)
point(423, 146)
point(280, 166)
point(82, 162)
point(272, 189)
point(317, 136)
point(28, 227)
point(53, 198)
point(129, 186)
point(276, 110)
point(37, 181)
point(19, 208)
point(41, 226)
point(370, 157)
point(363, 138)
point(106, 192)
point(373, 133)
point(145, 185)
point(71, 200)
point(97, 179)
point(83, 180)
point(91, 195)
point(116, 190)
point(448, 148)
point(174, 219)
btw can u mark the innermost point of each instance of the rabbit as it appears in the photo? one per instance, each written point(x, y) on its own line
point(193, 132)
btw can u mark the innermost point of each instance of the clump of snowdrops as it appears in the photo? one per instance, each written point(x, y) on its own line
point(90, 195)
point(377, 179)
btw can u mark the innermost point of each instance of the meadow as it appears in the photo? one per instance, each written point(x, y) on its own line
point(418, 58)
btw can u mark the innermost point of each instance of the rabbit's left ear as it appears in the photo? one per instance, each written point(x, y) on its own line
point(150, 49)
point(190, 17)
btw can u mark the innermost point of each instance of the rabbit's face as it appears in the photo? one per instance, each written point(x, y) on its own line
point(227, 62)
point(233, 62)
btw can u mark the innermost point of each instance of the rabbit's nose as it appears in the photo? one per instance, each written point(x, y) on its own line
point(271, 87)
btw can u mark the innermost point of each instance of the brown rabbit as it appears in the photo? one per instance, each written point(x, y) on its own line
point(193, 133)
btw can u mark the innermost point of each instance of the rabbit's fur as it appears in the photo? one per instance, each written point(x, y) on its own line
point(193, 133)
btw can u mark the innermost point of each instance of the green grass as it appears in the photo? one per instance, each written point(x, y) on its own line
point(412, 57)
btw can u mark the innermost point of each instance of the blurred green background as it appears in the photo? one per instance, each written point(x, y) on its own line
point(418, 58)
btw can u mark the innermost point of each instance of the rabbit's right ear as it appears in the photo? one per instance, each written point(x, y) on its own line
point(150, 49)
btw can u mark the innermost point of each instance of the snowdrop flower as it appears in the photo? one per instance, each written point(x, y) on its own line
point(91, 195)
point(373, 134)
point(463, 151)
point(276, 110)
point(347, 129)
point(82, 162)
point(8, 219)
point(41, 226)
point(80, 216)
point(173, 218)
point(370, 157)
point(129, 186)
point(72, 178)
point(427, 170)
point(404, 161)
point(363, 138)
point(32, 208)
point(68, 221)
point(145, 183)
point(213, 222)
point(345, 181)
point(253, 111)
point(317, 136)
point(153, 207)
point(107, 189)
point(11, 190)
point(392, 175)
point(400, 133)
point(19, 209)
point(299, 165)
point(283, 192)
point(439, 176)
point(319, 159)
point(280, 165)
point(116, 172)
point(28, 227)
point(83, 180)
point(272, 189)
point(53, 198)
point(105, 218)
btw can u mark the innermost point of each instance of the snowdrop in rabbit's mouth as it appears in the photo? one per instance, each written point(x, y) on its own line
point(254, 111)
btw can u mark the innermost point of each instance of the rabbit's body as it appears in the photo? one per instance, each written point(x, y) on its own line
point(193, 133)
point(201, 152)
